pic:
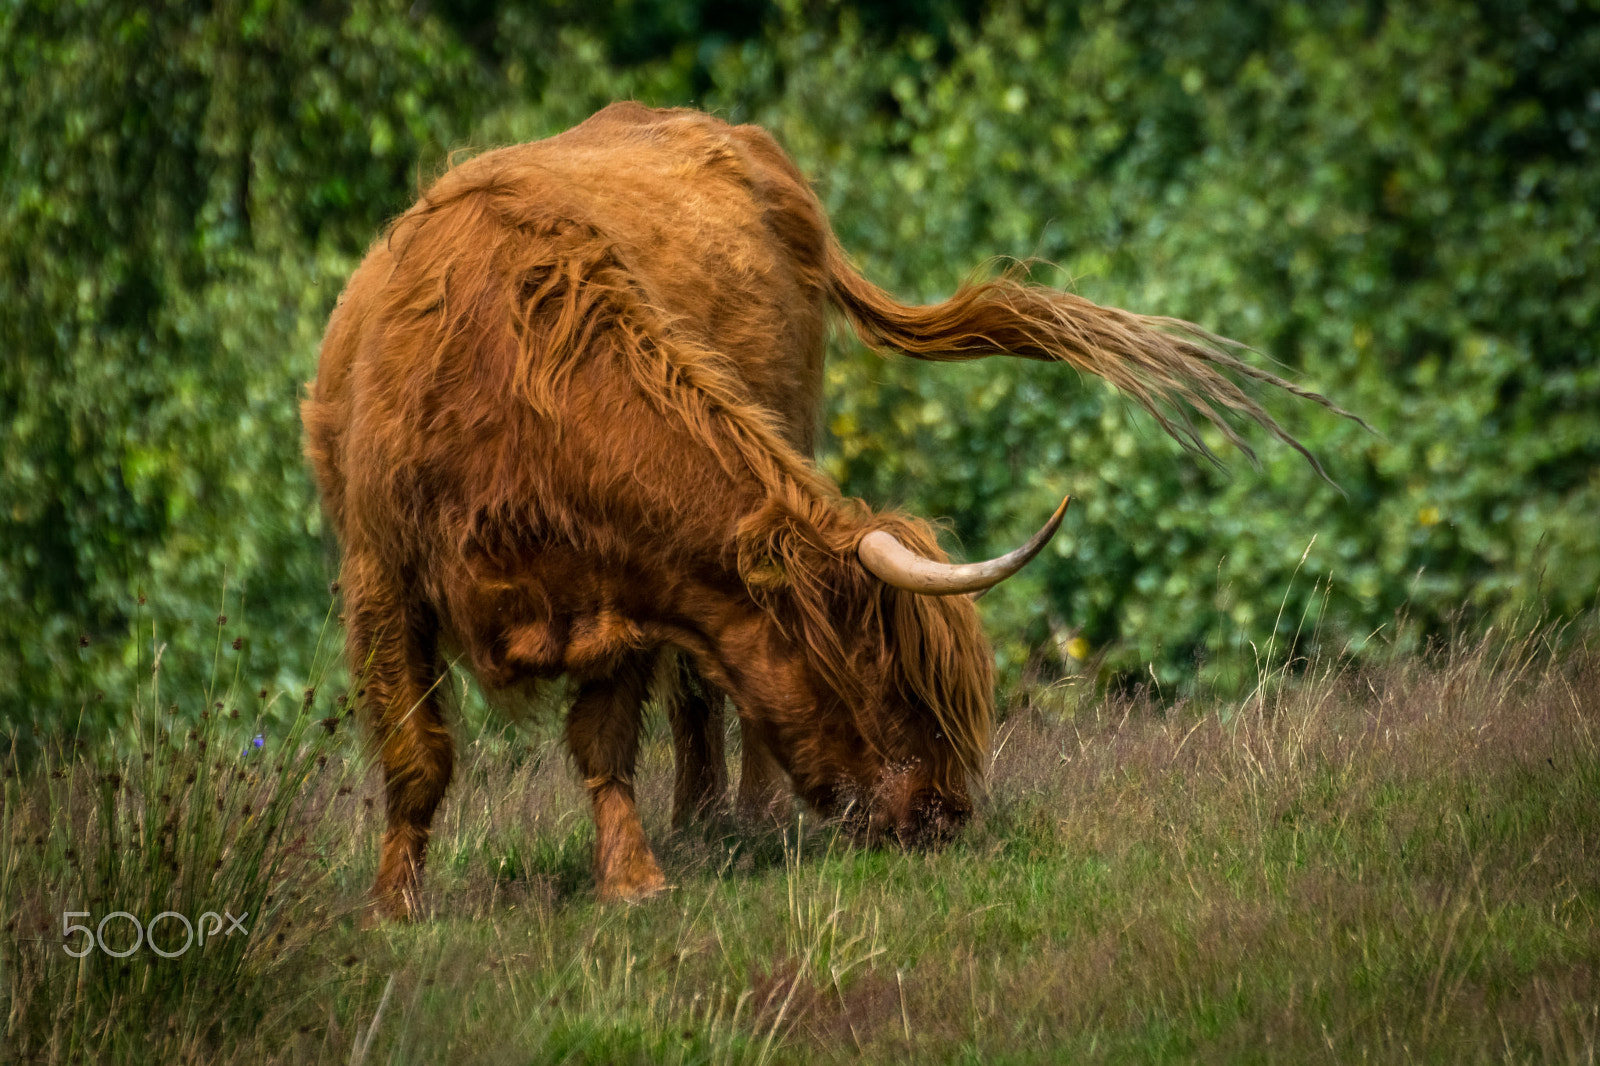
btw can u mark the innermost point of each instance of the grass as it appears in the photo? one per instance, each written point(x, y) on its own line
point(1396, 864)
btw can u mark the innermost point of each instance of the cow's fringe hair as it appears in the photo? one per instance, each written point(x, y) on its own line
point(798, 558)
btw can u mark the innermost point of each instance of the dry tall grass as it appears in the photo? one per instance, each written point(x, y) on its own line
point(1398, 863)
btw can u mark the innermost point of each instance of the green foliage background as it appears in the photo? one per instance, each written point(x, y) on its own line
point(1398, 201)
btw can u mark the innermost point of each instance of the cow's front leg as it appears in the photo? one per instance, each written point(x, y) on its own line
point(603, 735)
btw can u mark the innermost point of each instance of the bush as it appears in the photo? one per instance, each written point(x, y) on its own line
point(1395, 200)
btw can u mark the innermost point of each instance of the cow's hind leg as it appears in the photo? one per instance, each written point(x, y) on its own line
point(694, 709)
point(603, 735)
point(394, 652)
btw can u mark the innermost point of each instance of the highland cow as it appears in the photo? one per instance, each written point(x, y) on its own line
point(562, 424)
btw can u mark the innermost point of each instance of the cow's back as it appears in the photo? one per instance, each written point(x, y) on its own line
point(417, 391)
point(715, 224)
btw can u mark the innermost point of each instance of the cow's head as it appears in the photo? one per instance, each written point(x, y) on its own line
point(867, 673)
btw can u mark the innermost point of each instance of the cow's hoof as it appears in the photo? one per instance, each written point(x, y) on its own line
point(632, 889)
point(385, 908)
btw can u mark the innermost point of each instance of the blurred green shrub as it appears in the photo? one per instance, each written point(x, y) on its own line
point(1395, 200)
point(185, 189)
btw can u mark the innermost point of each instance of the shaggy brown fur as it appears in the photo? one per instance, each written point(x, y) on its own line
point(562, 422)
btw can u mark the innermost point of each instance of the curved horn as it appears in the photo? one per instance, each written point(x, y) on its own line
point(895, 564)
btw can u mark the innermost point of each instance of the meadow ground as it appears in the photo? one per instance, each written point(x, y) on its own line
point(1395, 864)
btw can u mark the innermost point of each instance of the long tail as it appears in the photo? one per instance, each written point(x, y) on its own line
point(1166, 364)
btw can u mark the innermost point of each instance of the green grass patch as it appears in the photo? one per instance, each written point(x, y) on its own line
point(1401, 864)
